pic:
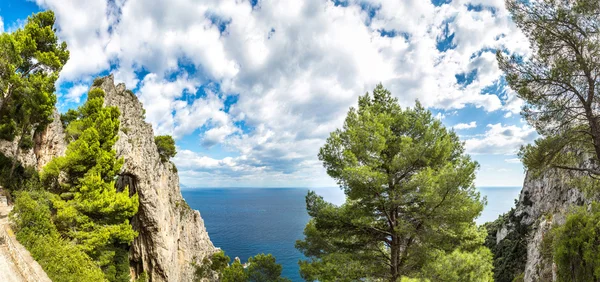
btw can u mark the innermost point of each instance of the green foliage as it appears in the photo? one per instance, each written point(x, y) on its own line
point(68, 117)
point(260, 268)
point(409, 196)
point(88, 208)
point(234, 273)
point(264, 268)
point(558, 81)
point(217, 262)
point(97, 82)
point(23, 177)
point(31, 59)
point(143, 277)
point(510, 254)
point(575, 245)
point(61, 260)
point(166, 147)
point(459, 266)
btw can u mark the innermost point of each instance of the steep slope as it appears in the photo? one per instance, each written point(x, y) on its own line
point(47, 145)
point(172, 236)
point(544, 201)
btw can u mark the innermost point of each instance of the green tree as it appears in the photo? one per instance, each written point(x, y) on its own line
point(61, 260)
point(264, 268)
point(558, 82)
point(234, 273)
point(215, 263)
point(30, 61)
point(260, 268)
point(409, 195)
point(575, 245)
point(166, 147)
point(89, 209)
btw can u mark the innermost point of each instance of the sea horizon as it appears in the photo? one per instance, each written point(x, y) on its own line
point(245, 221)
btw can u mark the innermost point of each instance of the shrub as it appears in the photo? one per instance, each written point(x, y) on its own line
point(166, 147)
point(60, 259)
point(575, 245)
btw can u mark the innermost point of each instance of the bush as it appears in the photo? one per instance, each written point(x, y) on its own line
point(575, 245)
point(166, 147)
point(60, 259)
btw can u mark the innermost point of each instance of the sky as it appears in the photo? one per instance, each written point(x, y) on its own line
point(250, 89)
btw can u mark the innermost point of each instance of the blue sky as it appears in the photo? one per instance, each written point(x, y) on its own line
point(251, 89)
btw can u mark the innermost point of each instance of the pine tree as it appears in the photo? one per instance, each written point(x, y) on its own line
point(30, 61)
point(90, 210)
point(410, 198)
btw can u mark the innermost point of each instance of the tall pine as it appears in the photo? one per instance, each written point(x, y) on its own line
point(90, 210)
point(30, 61)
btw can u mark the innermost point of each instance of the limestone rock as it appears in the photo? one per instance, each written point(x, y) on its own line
point(544, 201)
point(47, 145)
point(172, 236)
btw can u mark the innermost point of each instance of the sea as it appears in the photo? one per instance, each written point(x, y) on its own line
point(247, 221)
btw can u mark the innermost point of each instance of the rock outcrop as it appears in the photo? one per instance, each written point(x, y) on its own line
point(47, 145)
point(172, 236)
point(544, 201)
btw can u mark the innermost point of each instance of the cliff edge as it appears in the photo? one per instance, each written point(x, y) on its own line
point(544, 201)
point(172, 236)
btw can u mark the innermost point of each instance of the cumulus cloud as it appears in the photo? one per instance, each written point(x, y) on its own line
point(462, 126)
point(295, 67)
point(1, 25)
point(501, 139)
point(75, 92)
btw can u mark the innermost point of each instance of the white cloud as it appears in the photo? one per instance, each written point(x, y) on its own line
point(462, 126)
point(75, 92)
point(1, 25)
point(501, 139)
point(294, 66)
point(513, 160)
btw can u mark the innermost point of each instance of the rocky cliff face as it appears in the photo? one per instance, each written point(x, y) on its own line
point(47, 144)
point(172, 236)
point(543, 202)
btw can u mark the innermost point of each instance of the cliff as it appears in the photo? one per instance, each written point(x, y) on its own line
point(544, 201)
point(172, 236)
point(47, 144)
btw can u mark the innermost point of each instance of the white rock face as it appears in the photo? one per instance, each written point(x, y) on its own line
point(544, 202)
point(47, 144)
point(172, 236)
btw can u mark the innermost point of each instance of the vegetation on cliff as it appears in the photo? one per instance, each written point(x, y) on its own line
point(85, 210)
point(166, 147)
point(30, 61)
point(559, 84)
point(260, 268)
point(73, 220)
point(410, 201)
point(510, 254)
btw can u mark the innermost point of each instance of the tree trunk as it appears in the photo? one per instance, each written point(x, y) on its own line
point(15, 159)
point(15, 156)
point(395, 248)
point(395, 251)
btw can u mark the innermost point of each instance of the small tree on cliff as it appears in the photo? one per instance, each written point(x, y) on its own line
point(30, 60)
point(166, 147)
point(559, 81)
point(90, 210)
point(410, 199)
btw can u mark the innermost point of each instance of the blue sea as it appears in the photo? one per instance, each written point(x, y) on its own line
point(248, 221)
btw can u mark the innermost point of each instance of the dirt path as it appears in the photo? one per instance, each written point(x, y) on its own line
point(8, 270)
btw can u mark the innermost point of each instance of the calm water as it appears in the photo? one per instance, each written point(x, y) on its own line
point(247, 221)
